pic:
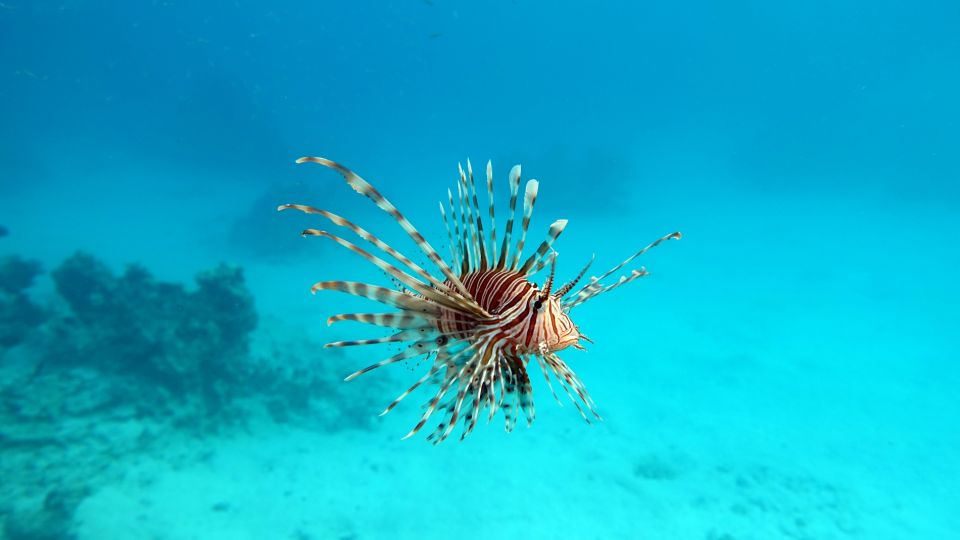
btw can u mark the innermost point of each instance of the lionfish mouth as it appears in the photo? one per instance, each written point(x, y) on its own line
point(571, 341)
point(471, 315)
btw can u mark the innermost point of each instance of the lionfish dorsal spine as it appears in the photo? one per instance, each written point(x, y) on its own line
point(480, 241)
point(514, 188)
point(493, 217)
point(529, 199)
point(534, 262)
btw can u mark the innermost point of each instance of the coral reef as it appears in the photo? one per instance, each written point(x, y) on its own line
point(18, 314)
point(115, 366)
point(190, 344)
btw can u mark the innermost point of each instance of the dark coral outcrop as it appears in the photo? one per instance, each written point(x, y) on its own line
point(19, 315)
point(189, 344)
point(112, 366)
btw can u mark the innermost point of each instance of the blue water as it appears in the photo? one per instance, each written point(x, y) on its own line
point(788, 370)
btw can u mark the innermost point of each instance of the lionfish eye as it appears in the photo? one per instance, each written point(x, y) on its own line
point(538, 304)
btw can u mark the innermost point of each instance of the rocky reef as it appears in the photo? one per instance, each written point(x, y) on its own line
point(110, 366)
point(18, 314)
point(189, 345)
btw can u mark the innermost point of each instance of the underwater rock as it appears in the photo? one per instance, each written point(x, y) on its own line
point(17, 274)
point(18, 314)
point(132, 346)
point(190, 343)
point(116, 366)
point(135, 346)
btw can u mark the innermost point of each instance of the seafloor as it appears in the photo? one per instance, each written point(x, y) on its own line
point(773, 378)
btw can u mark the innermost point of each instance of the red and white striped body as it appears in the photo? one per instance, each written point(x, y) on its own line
point(527, 320)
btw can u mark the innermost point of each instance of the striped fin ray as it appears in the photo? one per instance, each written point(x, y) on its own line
point(565, 384)
point(481, 242)
point(466, 209)
point(494, 403)
point(417, 349)
point(493, 218)
point(510, 397)
point(474, 368)
point(429, 293)
point(569, 380)
point(453, 374)
point(655, 243)
point(446, 224)
point(440, 362)
point(379, 294)
point(525, 395)
point(386, 248)
point(457, 239)
point(387, 320)
point(405, 335)
point(514, 187)
point(469, 373)
point(546, 376)
point(562, 291)
point(363, 187)
point(466, 245)
point(548, 284)
point(595, 289)
point(480, 397)
point(433, 371)
point(535, 260)
point(529, 198)
point(573, 400)
point(486, 395)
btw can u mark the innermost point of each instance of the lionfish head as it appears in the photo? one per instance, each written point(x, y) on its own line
point(562, 332)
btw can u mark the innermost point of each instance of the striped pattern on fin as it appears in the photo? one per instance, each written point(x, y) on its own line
point(562, 291)
point(556, 228)
point(387, 320)
point(364, 188)
point(493, 217)
point(433, 371)
point(514, 187)
point(405, 335)
point(379, 294)
point(529, 198)
point(453, 374)
point(595, 287)
point(455, 304)
point(481, 242)
point(468, 303)
point(418, 348)
point(446, 225)
point(466, 211)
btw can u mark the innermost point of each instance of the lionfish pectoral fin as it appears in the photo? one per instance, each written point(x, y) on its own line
point(416, 349)
point(363, 187)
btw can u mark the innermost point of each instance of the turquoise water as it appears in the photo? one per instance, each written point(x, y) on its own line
point(787, 370)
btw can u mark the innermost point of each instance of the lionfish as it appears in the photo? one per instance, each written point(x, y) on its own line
point(482, 320)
